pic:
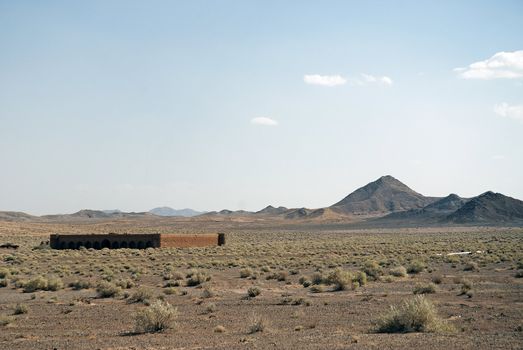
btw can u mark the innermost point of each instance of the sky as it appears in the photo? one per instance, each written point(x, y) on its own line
point(241, 104)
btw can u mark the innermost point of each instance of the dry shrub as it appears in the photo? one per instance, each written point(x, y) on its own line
point(471, 266)
point(157, 317)
point(372, 269)
point(3, 282)
point(219, 329)
point(21, 309)
point(78, 284)
point(341, 279)
point(399, 271)
point(107, 290)
point(425, 288)
point(142, 295)
point(258, 324)
point(416, 266)
point(253, 292)
point(42, 283)
point(417, 314)
point(247, 272)
point(5, 320)
point(198, 278)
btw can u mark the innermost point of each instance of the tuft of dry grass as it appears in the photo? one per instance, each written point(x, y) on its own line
point(417, 314)
point(258, 324)
point(157, 317)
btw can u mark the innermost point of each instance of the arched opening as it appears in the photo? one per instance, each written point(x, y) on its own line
point(96, 245)
point(88, 245)
point(132, 245)
point(141, 245)
point(106, 243)
point(123, 244)
point(71, 245)
point(115, 245)
point(79, 244)
point(149, 244)
point(62, 245)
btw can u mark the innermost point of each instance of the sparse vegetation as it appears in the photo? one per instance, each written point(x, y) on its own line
point(428, 288)
point(157, 317)
point(253, 292)
point(258, 324)
point(108, 290)
point(21, 309)
point(417, 314)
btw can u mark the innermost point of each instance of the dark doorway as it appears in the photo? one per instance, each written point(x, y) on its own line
point(106, 243)
point(88, 245)
point(96, 245)
point(123, 244)
point(115, 245)
point(141, 245)
point(132, 245)
point(71, 245)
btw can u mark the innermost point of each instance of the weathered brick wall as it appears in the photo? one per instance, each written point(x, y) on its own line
point(184, 241)
point(140, 241)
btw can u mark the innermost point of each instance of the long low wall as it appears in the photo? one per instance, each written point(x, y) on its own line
point(135, 241)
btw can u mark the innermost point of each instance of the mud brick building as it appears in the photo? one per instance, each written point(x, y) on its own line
point(135, 241)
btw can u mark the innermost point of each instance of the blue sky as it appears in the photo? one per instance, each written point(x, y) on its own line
point(241, 104)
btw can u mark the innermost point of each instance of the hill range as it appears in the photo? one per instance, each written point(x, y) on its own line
point(384, 202)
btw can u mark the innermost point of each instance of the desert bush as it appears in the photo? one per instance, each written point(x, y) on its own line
point(466, 287)
point(304, 281)
point(80, 284)
point(518, 274)
point(317, 278)
point(157, 317)
point(317, 288)
point(416, 266)
point(198, 278)
point(142, 295)
point(108, 290)
point(219, 329)
point(258, 324)
point(341, 279)
point(4, 273)
point(3, 282)
point(54, 284)
point(399, 271)
point(425, 288)
point(208, 292)
point(471, 266)
point(437, 279)
point(5, 320)
point(125, 283)
point(360, 278)
point(372, 269)
point(210, 308)
point(253, 292)
point(21, 309)
point(36, 283)
point(417, 314)
point(247, 272)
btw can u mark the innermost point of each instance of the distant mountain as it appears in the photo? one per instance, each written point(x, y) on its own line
point(15, 216)
point(270, 210)
point(489, 207)
point(167, 211)
point(382, 196)
point(297, 213)
point(112, 211)
point(434, 211)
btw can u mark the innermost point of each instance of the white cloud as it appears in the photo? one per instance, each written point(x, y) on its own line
point(371, 79)
point(324, 80)
point(507, 65)
point(498, 157)
point(508, 111)
point(264, 121)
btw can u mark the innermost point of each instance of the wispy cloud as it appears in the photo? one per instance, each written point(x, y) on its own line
point(503, 65)
point(264, 121)
point(324, 80)
point(508, 111)
point(371, 79)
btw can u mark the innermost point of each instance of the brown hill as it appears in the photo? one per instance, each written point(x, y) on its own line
point(15, 216)
point(382, 196)
point(489, 207)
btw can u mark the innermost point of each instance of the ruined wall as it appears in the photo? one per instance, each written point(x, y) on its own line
point(134, 241)
point(182, 241)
